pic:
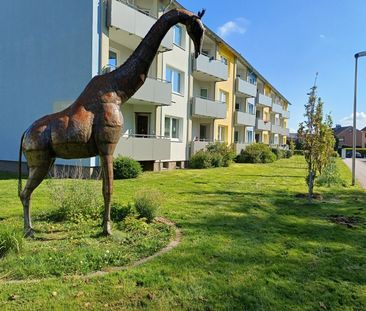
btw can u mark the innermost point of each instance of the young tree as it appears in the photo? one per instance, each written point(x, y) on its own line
point(317, 136)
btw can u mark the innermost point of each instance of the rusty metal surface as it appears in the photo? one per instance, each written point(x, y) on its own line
point(92, 125)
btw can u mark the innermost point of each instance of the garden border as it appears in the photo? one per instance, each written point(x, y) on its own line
point(172, 244)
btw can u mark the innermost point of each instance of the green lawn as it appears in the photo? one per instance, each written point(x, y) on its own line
point(248, 244)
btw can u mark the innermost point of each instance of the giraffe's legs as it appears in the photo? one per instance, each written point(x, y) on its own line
point(107, 166)
point(36, 175)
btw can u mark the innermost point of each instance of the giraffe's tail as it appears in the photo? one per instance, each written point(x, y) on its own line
point(20, 166)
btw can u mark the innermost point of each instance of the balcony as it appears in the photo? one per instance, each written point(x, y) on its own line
point(144, 148)
point(240, 146)
point(153, 91)
point(198, 145)
point(276, 108)
point(263, 125)
point(244, 118)
point(207, 69)
point(276, 129)
point(202, 107)
point(131, 24)
point(264, 100)
point(285, 114)
point(244, 88)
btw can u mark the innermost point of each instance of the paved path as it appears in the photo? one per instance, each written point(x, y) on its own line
point(360, 170)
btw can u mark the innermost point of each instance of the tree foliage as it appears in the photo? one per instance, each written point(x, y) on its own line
point(317, 137)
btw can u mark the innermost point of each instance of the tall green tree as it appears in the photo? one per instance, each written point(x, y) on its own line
point(317, 136)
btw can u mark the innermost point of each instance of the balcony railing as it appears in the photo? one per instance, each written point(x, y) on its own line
point(263, 125)
point(244, 118)
point(245, 88)
point(203, 107)
point(276, 129)
point(276, 108)
point(144, 147)
point(154, 91)
point(286, 114)
point(240, 146)
point(209, 69)
point(135, 22)
point(264, 100)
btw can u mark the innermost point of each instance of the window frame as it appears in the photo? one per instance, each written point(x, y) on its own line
point(178, 130)
point(172, 78)
point(181, 43)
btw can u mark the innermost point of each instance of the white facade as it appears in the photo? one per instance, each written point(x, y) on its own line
point(171, 116)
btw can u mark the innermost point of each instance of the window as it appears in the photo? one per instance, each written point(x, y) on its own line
point(237, 106)
point(249, 136)
point(277, 119)
point(222, 97)
point(224, 60)
point(112, 61)
point(178, 35)
point(252, 78)
point(167, 127)
point(221, 133)
point(236, 136)
point(175, 78)
point(203, 132)
point(251, 108)
point(204, 93)
point(171, 129)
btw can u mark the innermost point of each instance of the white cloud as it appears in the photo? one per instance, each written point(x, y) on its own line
point(360, 119)
point(239, 25)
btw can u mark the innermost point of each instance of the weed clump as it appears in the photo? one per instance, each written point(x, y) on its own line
point(147, 204)
point(75, 199)
point(10, 241)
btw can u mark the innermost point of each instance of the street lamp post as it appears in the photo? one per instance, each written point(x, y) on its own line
point(357, 55)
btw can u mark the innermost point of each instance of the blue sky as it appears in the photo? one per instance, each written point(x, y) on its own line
point(288, 41)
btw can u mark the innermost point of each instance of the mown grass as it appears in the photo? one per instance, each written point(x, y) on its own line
point(248, 244)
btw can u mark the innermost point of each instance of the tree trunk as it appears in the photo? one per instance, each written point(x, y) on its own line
point(311, 185)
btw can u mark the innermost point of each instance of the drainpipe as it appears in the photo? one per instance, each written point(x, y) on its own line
point(190, 80)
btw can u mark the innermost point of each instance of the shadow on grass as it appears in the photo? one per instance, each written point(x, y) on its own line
point(278, 248)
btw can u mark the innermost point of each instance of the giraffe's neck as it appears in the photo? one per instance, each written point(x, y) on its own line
point(131, 75)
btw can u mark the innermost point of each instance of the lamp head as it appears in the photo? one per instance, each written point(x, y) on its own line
point(360, 54)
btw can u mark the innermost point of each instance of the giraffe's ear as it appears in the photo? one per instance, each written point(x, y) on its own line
point(201, 13)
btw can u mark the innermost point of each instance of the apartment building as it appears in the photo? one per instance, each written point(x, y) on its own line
point(184, 104)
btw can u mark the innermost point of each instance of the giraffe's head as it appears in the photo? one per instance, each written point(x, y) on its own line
point(196, 31)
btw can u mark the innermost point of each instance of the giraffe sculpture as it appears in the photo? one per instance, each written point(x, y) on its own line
point(92, 125)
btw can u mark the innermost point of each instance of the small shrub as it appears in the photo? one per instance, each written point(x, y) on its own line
point(217, 160)
point(287, 154)
point(256, 153)
point(126, 168)
point(335, 154)
point(201, 159)
point(298, 152)
point(223, 151)
point(147, 204)
point(330, 175)
point(10, 241)
point(279, 153)
point(120, 212)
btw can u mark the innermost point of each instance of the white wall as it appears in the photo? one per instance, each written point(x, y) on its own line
point(48, 53)
point(178, 58)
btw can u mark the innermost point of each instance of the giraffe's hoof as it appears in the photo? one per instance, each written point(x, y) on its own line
point(28, 233)
point(107, 228)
